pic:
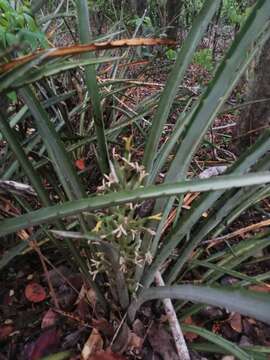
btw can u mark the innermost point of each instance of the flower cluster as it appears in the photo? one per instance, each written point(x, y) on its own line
point(120, 226)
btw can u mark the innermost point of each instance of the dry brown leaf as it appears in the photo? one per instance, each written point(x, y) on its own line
point(190, 336)
point(236, 322)
point(260, 288)
point(103, 326)
point(79, 49)
point(49, 319)
point(82, 310)
point(91, 297)
point(93, 345)
point(241, 232)
point(135, 342)
point(88, 294)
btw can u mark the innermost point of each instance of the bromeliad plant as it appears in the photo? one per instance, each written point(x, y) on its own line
point(121, 228)
point(124, 243)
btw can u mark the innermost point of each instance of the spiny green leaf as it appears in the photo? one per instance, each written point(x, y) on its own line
point(245, 302)
point(116, 198)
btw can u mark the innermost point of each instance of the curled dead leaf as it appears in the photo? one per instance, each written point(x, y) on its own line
point(79, 49)
point(236, 322)
point(93, 344)
point(49, 319)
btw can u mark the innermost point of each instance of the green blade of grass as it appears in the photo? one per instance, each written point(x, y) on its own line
point(175, 78)
point(253, 304)
point(225, 270)
point(210, 224)
point(117, 198)
point(227, 75)
point(92, 86)
point(247, 201)
point(230, 258)
point(256, 351)
point(64, 169)
point(236, 255)
point(34, 178)
point(54, 68)
point(230, 347)
point(180, 126)
point(61, 160)
point(7, 79)
point(184, 225)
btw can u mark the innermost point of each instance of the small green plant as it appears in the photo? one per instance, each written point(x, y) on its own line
point(235, 12)
point(192, 8)
point(144, 24)
point(171, 54)
point(18, 26)
point(204, 58)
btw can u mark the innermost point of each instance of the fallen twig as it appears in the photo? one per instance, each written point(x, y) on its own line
point(177, 333)
point(16, 187)
point(238, 232)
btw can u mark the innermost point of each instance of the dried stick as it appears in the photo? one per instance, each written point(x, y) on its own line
point(177, 333)
point(36, 248)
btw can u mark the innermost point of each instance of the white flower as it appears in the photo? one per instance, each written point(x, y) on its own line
point(123, 266)
point(119, 231)
point(148, 257)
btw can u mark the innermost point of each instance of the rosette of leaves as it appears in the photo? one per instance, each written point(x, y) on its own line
point(180, 252)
